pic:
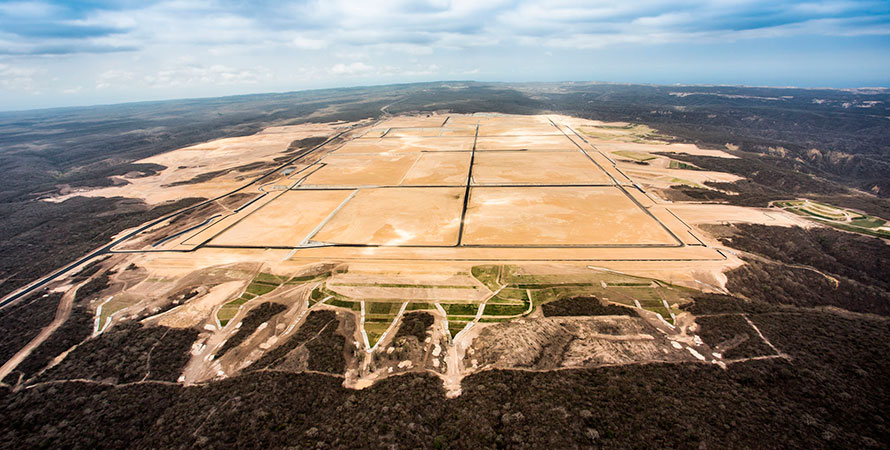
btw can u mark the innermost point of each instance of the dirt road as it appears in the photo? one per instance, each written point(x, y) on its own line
point(63, 311)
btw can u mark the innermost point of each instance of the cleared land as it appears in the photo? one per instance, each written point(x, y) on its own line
point(361, 170)
point(408, 145)
point(397, 216)
point(441, 168)
point(554, 142)
point(285, 221)
point(559, 216)
point(517, 167)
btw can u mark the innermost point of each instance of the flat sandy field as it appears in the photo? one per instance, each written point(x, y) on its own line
point(516, 167)
point(408, 145)
point(535, 143)
point(393, 194)
point(438, 168)
point(361, 170)
point(431, 132)
point(397, 216)
point(285, 221)
point(559, 216)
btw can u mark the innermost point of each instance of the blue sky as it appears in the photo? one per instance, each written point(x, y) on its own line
point(90, 52)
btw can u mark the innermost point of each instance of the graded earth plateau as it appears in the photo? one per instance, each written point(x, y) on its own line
point(453, 277)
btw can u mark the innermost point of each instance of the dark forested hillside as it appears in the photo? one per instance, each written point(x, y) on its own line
point(834, 392)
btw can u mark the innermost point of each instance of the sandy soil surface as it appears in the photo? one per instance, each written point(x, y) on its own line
point(221, 154)
point(430, 132)
point(613, 146)
point(198, 309)
point(402, 216)
point(361, 170)
point(558, 216)
point(716, 214)
point(536, 143)
point(511, 167)
point(440, 168)
point(407, 145)
point(286, 221)
point(550, 343)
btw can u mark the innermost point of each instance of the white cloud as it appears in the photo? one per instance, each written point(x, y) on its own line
point(19, 78)
point(305, 43)
point(197, 75)
point(27, 9)
point(351, 69)
point(114, 78)
point(173, 45)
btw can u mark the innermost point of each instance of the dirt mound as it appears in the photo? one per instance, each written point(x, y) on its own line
point(552, 343)
point(318, 345)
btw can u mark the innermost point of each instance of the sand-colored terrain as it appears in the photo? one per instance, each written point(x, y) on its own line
point(408, 145)
point(238, 157)
point(438, 168)
point(555, 142)
point(399, 216)
point(558, 216)
point(361, 170)
point(377, 222)
point(399, 132)
point(285, 222)
point(517, 167)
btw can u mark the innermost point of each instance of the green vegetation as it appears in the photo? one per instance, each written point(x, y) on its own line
point(229, 310)
point(682, 165)
point(461, 309)
point(355, 306)
point(636, 156)
point(680, 181)
point(456, 327)
point(868, 222)
point(375, 329)
point(504, 310)
point(416, 286)
point(487, 275)
point(837, 217)
point(307, 278)
point(257, 288)
point(635, 133)
point(267, 278)
point(413, 306)
point(114, 305)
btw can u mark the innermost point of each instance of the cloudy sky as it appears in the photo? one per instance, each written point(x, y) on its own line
point(89, 52)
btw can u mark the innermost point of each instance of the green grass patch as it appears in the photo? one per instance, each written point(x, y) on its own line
point(307, 278)
point(413, 306)
point(229, 310)
point(504, 310)
point(258, 289)
point(355, 306)
point(461, 309)
point(870, 232)
point(374, 330)
point(494, 319)
point(456, 327)
point(382, 308)
point(267, 278)
point(681, 165)
point(487, 275)
point(637, 156)
point(868, 222)
point(415, 286)
point(676, 181)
